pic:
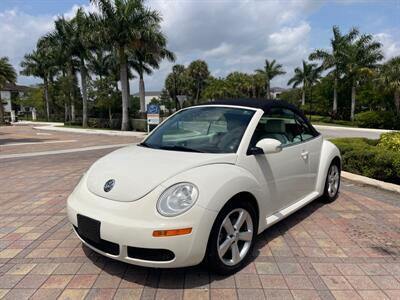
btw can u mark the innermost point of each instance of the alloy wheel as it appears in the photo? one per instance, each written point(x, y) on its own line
point(333, 180)
point(235, 236)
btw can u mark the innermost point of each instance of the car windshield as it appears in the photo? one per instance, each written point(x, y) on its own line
point(208, 129)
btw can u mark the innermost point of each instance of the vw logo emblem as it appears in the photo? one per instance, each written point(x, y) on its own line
point(109, 185)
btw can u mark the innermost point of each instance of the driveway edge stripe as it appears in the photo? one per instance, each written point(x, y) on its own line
point(53, 152)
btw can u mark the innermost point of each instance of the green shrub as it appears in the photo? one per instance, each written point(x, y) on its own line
point(375, 119)
point(390, 141)
point(362, 156)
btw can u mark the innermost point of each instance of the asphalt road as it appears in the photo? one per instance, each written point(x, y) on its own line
point(338, 132)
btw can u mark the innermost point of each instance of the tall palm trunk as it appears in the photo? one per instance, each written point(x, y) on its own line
point(142, 93)
point(268, 89)
point(123, 64)
point(1, 111)
point(353, 102)
point(397, 101)
point(83, 72)
point(66, 113)
point(335, 85)
point(46, 98)
point(303, 96)
point(72, 93)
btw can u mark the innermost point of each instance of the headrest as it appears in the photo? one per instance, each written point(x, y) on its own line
point(275, 126)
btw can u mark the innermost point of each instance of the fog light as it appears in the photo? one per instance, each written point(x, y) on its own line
point(171, 232)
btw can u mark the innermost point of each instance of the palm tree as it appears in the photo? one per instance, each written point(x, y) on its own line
point(389, 77)
point(147, 57)
point(198, 73)
point(359, 59)
point(71, 38)
point(7, 75)
point(270, 71)
point(332, 60)
point(122, 24)
point(39, 63)
point(306, 76)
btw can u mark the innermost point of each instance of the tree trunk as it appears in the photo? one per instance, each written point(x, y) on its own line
point(397, 101)
point(65, 112)
point(46, 98)
point(142, 94)
point(353, 102)
point(1, 111)
point(123, 64)
point(84, 93)
point(197, 93)
point(72, 111)
point(110, 114)
point(268, 89)
point(303, 96)
point(334, 109)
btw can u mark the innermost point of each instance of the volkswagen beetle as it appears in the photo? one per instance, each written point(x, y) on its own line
point(203, 184)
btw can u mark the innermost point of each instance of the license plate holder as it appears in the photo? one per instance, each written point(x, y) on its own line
point(89, 228)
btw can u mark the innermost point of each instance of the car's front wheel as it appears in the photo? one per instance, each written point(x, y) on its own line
point(232, 237)
point(332, 182)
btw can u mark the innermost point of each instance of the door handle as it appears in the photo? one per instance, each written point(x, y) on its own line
point(304, 154)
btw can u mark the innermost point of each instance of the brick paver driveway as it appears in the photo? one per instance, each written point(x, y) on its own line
point(349, 249)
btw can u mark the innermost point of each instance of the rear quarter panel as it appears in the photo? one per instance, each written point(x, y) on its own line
point(328, 152)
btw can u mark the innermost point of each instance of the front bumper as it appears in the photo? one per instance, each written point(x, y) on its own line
point(130, 225)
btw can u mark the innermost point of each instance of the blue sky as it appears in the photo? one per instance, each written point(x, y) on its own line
point(229, 35)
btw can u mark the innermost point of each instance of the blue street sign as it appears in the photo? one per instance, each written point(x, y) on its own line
point(153, 109)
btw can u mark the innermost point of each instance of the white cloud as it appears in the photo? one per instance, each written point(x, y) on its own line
point(19, 33)
point(391, 45)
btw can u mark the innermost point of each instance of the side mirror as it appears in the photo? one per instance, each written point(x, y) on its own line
point(268, 146)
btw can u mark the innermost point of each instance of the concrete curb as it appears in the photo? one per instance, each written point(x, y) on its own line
point(38, 123)
point(93, 131)
point(372, 182)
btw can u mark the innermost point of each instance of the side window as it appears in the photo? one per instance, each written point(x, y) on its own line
point(304, 131)
point(283, 125)
point(279, 124)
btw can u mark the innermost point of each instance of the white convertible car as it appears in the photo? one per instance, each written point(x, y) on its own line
point(203, 184)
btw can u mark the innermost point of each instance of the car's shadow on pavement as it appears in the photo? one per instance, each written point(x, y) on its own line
point(199, 276)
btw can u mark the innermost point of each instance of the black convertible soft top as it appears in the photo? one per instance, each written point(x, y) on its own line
point(263, 104)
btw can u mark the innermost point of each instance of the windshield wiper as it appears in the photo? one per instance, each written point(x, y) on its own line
point(180, 148)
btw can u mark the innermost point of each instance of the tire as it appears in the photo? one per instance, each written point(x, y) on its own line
point(239, 242)
point(332, 183)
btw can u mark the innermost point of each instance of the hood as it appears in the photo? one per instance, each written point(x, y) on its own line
point(138, 170)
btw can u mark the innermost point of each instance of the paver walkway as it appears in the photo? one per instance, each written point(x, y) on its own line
point(349, 249)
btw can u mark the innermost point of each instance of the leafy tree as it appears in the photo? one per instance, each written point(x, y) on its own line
point(7, 75)
point(305, 76)
point(122, 24)
point(198, 73)
point(176, 83)
point(270, 71)
point(389, 78)
point(333, 60)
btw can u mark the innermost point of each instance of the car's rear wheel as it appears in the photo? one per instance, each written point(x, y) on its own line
point(232, 238)
point(332, 182)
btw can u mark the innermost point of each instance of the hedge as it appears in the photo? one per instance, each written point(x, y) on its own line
point(371, 158)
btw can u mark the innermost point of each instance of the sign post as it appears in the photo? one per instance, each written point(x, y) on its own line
point(153, 116)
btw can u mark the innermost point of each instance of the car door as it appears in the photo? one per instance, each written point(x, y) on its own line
point(312, 143)
point(282, 175)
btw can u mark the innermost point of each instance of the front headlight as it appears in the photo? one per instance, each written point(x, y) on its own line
point(177, 199)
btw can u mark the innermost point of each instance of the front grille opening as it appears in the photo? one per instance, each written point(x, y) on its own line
point(151, 254)
point(105, 246)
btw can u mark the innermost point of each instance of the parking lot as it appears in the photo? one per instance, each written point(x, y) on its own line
point(349, 249)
